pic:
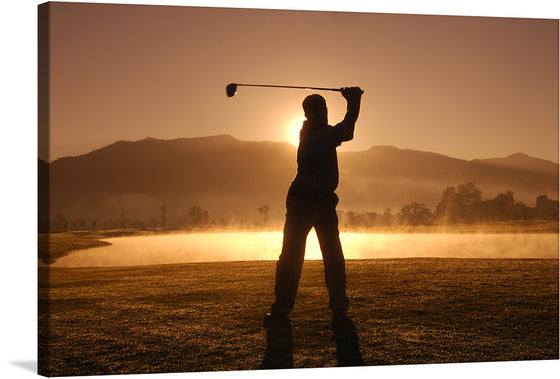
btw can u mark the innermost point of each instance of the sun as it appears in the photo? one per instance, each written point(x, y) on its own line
point(293, 129)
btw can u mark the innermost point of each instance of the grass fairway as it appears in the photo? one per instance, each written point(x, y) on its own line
point(208, 316)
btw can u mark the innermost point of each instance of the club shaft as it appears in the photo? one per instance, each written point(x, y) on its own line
point(296, 87)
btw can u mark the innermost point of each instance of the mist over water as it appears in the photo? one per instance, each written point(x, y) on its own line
point(242, 246)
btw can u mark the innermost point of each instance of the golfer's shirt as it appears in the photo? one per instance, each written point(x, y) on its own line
point(317, 174)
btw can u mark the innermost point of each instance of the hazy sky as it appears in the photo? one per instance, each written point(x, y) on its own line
point(467, 87)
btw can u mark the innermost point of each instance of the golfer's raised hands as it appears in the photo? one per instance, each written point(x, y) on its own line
point(351, 93)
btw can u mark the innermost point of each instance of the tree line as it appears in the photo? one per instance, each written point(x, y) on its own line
point(460, 204)
point(193, 218)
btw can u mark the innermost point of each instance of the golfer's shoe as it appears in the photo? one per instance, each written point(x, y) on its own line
point(274, 319)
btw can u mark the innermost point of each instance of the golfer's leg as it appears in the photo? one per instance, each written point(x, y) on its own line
point(333, 257)
point(290, 262)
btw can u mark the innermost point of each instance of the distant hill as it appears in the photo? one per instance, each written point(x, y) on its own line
point(231, 178)
point(227, 177)
point(523, 162)
point(400, 176)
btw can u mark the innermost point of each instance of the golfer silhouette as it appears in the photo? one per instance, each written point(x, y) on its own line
point(311, 202)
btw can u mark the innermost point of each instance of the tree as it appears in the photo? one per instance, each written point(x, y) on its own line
point(546, 208)
point(520, 211)
point(466, 199)
point(60, 222)
point(459, 205)
point(163, 210)
point(387, 217)
point(500, 208)
point(263, 210)
point(445, 210)
point(504, 205)
point(195, 214)
point(371, 218)
point(416, 213)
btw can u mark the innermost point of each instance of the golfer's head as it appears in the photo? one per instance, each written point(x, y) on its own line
point(315, 108)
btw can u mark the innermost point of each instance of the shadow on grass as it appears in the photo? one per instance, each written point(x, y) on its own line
point(278, 352)
point(347, 343)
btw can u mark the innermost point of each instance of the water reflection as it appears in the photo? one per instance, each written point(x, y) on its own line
point(213, 247)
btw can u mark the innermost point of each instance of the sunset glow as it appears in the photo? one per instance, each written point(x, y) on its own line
point(293, 131)
point(432, 83)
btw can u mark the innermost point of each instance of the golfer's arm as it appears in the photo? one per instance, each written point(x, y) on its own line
point(352, 112)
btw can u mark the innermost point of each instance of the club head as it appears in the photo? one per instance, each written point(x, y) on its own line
point(231, 89)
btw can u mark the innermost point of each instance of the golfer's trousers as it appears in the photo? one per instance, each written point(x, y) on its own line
point(301, 216)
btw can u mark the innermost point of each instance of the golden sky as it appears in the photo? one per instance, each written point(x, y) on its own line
point(467, 87)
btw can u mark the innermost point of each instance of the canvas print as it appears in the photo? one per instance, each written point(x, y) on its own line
point(245, 189)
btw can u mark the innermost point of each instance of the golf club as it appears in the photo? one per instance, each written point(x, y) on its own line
point(231, 89)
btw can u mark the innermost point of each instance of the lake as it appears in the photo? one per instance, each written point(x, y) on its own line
point(245, 246)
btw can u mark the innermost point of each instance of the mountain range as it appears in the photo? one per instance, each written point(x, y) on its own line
point(231, 178)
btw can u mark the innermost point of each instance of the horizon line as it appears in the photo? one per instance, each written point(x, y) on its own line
point(288, 143)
